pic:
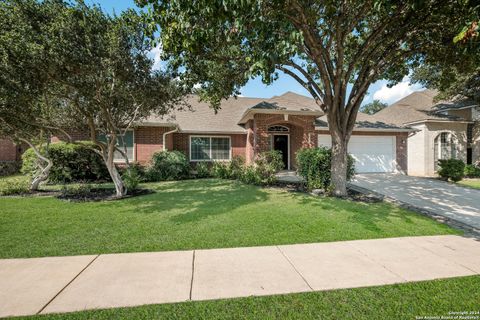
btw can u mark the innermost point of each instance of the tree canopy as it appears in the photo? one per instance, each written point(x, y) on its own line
point(86, 70)
point(455, 73)
point(373, 107)
point(326, 46)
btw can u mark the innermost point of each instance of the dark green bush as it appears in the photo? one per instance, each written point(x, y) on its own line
point(202, 170)
point(14, 185)
point(452, 169)
point(8, 168)
point(471, 171)
point(314, 165)
point(71, 163)
point(168, 165)
point(263, 170)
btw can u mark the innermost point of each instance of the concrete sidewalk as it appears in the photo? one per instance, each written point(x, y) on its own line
point(64, 284)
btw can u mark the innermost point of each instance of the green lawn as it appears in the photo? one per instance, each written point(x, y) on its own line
point(402, 301)
point(472, 183)
point(195, 214)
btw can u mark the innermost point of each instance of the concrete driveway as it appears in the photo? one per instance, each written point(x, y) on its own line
point(443, 198)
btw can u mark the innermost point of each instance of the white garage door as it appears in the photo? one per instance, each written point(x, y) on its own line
point(371, 153)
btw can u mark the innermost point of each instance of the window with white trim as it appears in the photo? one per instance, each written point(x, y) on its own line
point(128, 140)
point(206, 148)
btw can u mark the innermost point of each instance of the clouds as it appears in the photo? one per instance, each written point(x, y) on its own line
point(395, 93)
point(156, 55)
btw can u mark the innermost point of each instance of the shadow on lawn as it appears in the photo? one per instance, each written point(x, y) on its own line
point(195, 200)
point(369, 215)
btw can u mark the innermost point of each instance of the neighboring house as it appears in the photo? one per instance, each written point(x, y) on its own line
point(443, 130)
point(247, 126)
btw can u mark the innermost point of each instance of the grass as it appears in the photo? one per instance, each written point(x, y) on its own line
point(402, 301)
point(472, 183)
point(196, 214)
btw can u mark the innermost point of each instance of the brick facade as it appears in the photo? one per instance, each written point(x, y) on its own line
point(148, 140)
point(400, 143)
point(301, 135)
point(9, 151)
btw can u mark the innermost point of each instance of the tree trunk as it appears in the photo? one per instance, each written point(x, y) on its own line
point(120, 189)
point(42, 175)
point(339, 165)
point(108, 156)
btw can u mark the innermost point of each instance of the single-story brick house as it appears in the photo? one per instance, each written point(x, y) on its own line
point(247, 126)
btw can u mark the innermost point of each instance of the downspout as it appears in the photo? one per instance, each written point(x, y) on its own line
point(165, 137)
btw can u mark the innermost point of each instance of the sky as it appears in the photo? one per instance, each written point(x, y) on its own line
point(255, 87)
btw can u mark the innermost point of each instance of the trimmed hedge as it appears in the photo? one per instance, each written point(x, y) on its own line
point(71, 163)
point(314, 165)
point(14, 185)
point(452, 169)
point(168, 165)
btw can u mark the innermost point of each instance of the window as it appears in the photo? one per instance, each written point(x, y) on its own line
point(444, 148)
point(278, 129)
point(128, 139)
point(209, 148)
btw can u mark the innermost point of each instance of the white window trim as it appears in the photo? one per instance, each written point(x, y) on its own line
point(133, 153)
point(210, 151)
point(288, 145)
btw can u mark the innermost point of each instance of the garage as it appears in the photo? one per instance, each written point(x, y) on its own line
point(371, 153)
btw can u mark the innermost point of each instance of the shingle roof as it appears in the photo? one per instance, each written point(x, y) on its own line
point(364, 121)
point(201, 117)
point(418, 106)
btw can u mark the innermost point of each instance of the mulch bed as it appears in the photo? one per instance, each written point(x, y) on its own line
point(100, 194)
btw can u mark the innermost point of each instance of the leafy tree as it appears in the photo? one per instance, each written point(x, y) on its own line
point(454, 72)
point(73, 67)
point(335, 49)
point(106, 79)
point(27, 114)
point(373, 107)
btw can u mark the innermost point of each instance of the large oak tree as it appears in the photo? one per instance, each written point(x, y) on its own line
point(334, 48)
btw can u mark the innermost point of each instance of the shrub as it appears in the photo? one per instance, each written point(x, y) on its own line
point(14, 185)
point(8, 168)
point(236, 167)
point(229, 170)
point(251, 176)
point(220, 170)
point(131, 178)
point(71, 163)
point(314, 165)
point(452, 169)
point(81, 190)
point(168, 165)
point(471, 171)
point(263, 171)
point(202, 170)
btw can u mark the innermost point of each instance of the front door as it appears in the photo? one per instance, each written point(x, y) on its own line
point(280, 143)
